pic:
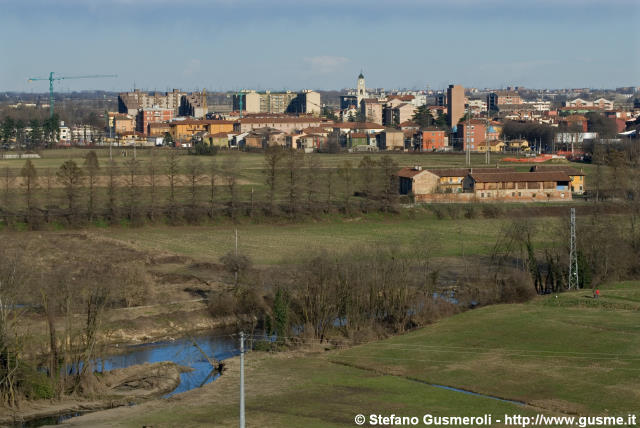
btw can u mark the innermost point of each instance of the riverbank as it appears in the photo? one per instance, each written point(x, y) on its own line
point(570, 355)
point(119, 387)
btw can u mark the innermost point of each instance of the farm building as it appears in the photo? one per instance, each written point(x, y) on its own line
point(519, 186)
point(483, 184)
point(446, 180)
point(577, 177)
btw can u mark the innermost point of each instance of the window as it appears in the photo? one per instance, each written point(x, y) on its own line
point(482, 195)
point(519, 193)
point(513, 193)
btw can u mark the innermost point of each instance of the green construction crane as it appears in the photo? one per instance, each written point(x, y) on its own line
point(51, 79)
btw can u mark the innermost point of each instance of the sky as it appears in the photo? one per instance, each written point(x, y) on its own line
point(319, 44)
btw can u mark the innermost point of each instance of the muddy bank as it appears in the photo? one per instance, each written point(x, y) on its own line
point(106, 390)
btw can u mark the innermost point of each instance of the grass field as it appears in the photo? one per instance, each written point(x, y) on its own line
point(568, 355)
point(571, 353)
point(252, 164)
point(54, 158)
point(288, 243)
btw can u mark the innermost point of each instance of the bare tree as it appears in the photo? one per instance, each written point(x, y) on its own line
point(112, 191)
point(389, 183)
point(346, 174)
point(213, 172)
point(92, 168)
point(7, 200)
point(29, 176)
point(329, 185)
point(312, 182)
point(153, 169)
point(272, 158)
point(294, 162)
point(172, 170)
point(230, 171)
point(71, 177)
point(133, 189)
point(194, 176)
point(368, 178)
point(13, 278)
point(48, 190)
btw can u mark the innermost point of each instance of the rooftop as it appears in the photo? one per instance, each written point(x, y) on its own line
point(519, 177)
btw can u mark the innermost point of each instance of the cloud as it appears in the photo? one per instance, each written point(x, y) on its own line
point(326, 63)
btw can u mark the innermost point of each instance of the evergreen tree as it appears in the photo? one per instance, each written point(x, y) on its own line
point(423, 117)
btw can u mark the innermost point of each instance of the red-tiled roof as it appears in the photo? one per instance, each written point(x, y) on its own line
point(519, 176)
point(408, 123)
point(463, 172)
point(410, 172)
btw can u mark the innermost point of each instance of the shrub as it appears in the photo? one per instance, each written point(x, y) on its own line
point(470, 211)
point(491, 211)
point(516, 288)
point(222, 305)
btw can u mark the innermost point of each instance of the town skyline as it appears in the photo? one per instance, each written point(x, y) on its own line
point(284, 45)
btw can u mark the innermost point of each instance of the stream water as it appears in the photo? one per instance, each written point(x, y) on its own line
point(219, 346)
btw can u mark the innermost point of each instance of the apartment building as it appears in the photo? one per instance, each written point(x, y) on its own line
point(499, 98)
point(252, 101)
point(455, 104)
point(154, 114)
point(131, 102)
point(472, 134)
point(371, 110)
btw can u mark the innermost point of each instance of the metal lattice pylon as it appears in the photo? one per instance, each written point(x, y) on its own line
point(573, 255)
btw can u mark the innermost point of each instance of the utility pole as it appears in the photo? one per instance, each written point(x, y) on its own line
point(242, 379)
point(466, 137)
point(236, 272)
point(573, 254)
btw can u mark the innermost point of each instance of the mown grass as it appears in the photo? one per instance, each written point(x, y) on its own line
point(310, 392)
point(570, 353)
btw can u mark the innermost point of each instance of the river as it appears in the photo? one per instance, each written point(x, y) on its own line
point(217, 345)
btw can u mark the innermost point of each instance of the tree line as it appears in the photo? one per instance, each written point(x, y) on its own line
point(182, 189)
point(32, 134)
